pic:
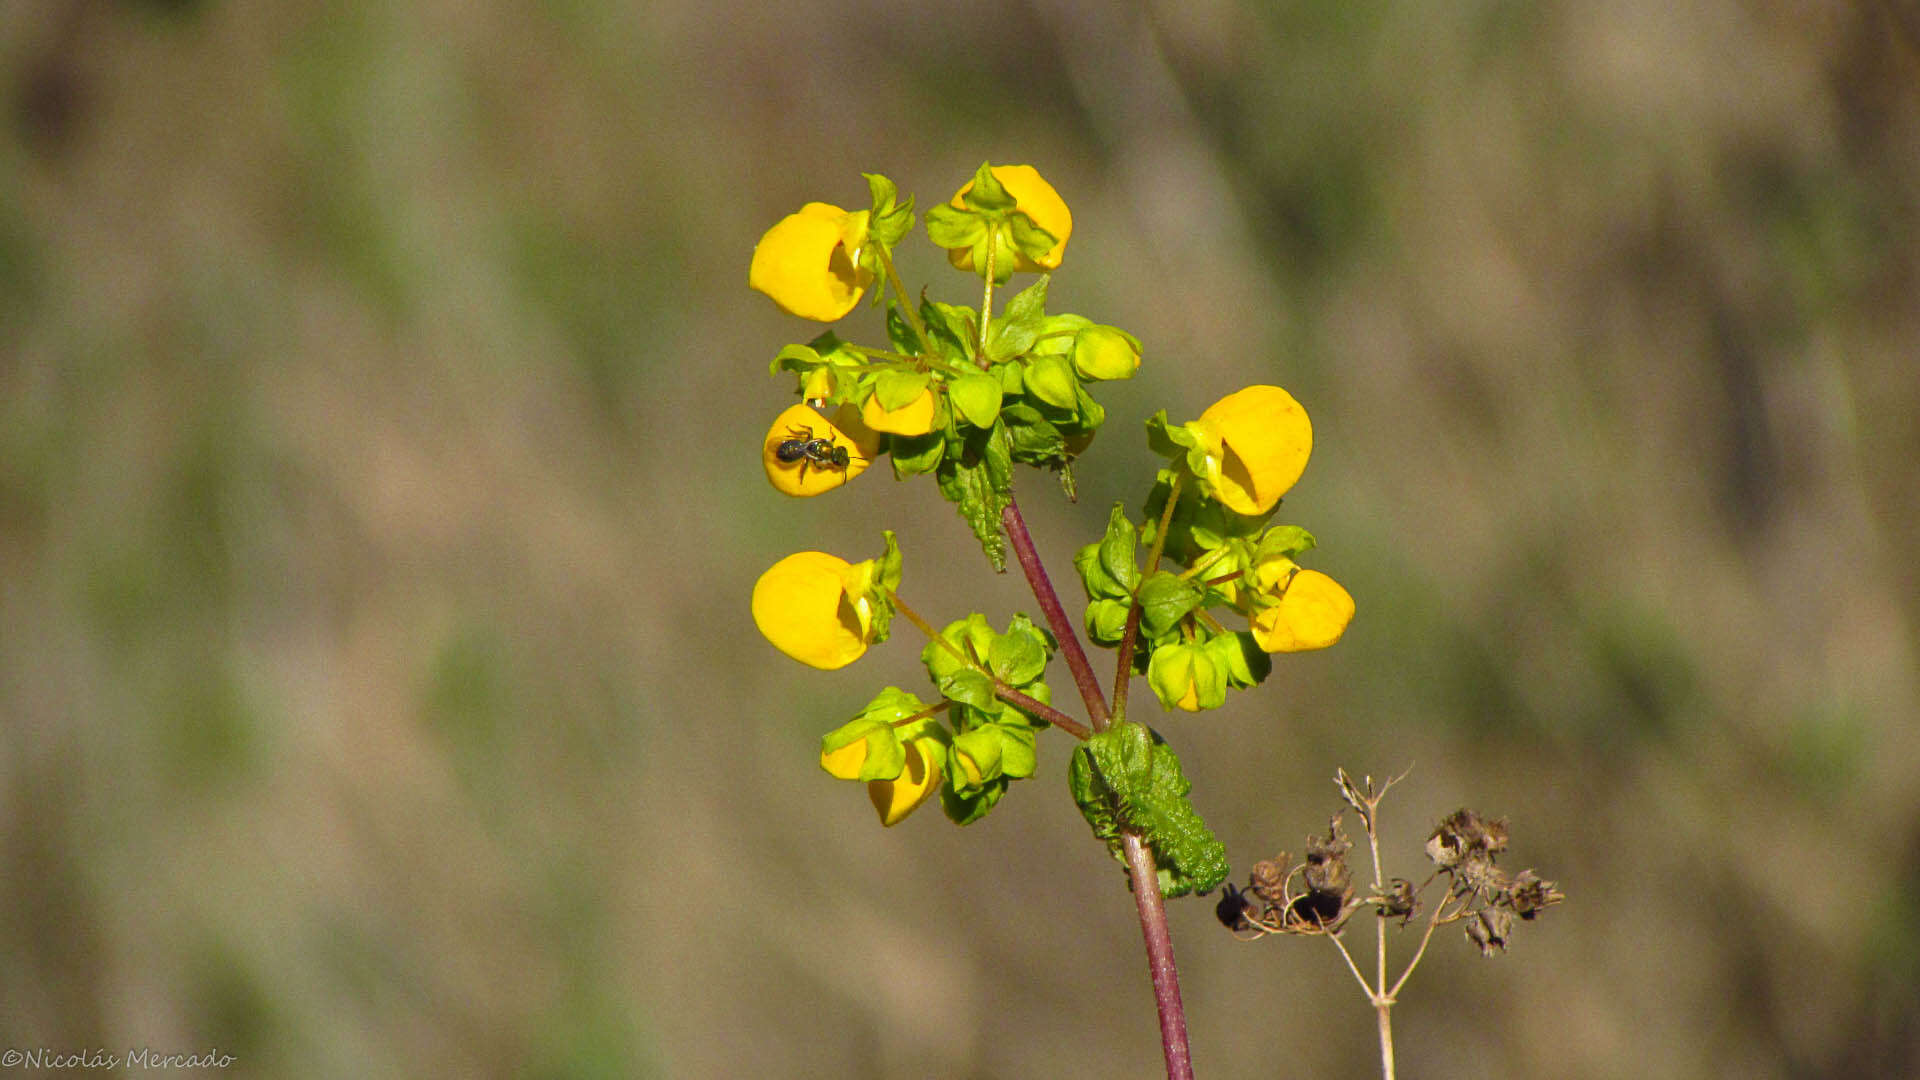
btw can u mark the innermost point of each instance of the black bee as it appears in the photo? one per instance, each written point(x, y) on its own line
point(806, 449)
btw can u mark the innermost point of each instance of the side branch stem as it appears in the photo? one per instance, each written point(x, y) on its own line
point(1057, 621)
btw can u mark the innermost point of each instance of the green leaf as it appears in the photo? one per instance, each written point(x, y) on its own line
point(900, 332)
point(977, 398)
point(1164, 600)
point(1014, 332)
point(952, 328)
point(798, 358)
point(969, 687)
point(1050, 378)
point(898, 389)
point(1035, 439)
point(969, 487)
point(1128, 780)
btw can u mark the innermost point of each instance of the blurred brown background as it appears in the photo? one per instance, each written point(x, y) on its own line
point(379, 402)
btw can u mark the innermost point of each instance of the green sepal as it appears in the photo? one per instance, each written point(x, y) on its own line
point(1169, 440)
point(1035, 439)
point(796, 358)
point(879, 578)
point(1179, 667)
point(890, 220)
point(1019, 656)
point(886, 755)
point(900, 331)
point(898, 389)
point(972, 637)
point(1107, 620)
point(1057, 333)
point(1015, 331)
point(1241, 658)
point(915, 454)
point(976, 397)
point(952, 328)
point(1283, 542)
point(1051, 380)
point(965, 809)
point(1031, 240)
point(1165, 599)
point(975, 758)
point(955, 227)
point(1105, 353)
point(1128, 780)
point(1117, 552)
point(988, 195)
point(969, 687)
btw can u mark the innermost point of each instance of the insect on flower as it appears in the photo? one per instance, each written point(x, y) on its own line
point(808, 449)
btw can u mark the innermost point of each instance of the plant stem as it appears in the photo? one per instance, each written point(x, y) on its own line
point(906, 308)
point(1123, 677)
point(986, 309)
point(1160, 965)
point(1076, 657)
point(1139, 857)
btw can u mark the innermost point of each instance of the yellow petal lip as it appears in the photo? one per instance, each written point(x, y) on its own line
point(804, 477)
point(1034, 197)
point(913, 418)
point(1258, 441)
point(809, 262)
point(1312, 614)
point(801, 606)
point(918, 780)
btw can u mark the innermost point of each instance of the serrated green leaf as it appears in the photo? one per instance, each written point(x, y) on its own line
point(1127, 780)
point(969, 487)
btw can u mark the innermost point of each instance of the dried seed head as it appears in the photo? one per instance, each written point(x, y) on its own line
point(1529, 894)
point(1399, 899)
point(1490, 929)
point(1269, 879)
point(1465, 835)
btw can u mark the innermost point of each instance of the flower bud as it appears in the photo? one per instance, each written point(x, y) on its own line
point(1105, 352)
point(1183, 676)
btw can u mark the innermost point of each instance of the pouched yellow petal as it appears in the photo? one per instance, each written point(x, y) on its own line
point(809, 262)
point(807, 475)
point(1258, 441)
point(913, 418)
point(897, 798)
point(1034, 197)
point(1312, 614)
point(801, 605)
point(846, 762)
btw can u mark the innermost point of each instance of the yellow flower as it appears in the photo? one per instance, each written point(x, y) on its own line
point(809, 262)
point(802, 605)
point(896, 798)
point(1035, 198)
point(795, 462)
point(1312, 612)
point(913, 418)
point(1257, 441)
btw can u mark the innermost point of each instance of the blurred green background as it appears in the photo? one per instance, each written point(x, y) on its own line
point(380, 396)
